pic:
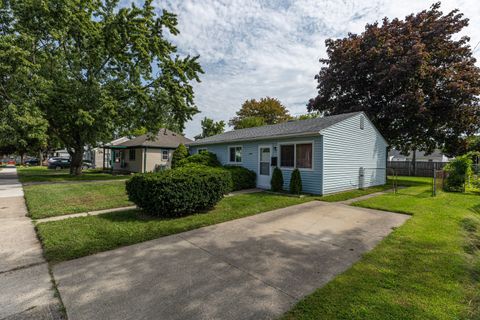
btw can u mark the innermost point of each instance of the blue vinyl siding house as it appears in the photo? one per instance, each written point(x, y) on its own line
point(333, 153)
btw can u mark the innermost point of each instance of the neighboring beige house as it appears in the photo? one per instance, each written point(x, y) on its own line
point(101, 156)
point(145, 153)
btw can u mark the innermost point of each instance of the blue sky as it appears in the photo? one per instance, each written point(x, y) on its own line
point(252, 49)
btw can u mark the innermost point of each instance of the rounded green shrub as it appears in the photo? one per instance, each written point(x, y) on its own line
point(277, 180)
point(205, 158)
point(179, 154)
point(458, 170)
point(296, 182)
point(242, 178)
point(179, 191)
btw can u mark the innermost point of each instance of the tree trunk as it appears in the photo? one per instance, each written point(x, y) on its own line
point(21, 158)
point(76, 161)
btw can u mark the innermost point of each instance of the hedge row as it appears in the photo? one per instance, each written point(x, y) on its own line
point(204, 158)
point(179, 191)
point(197, 183)
point(242, 178)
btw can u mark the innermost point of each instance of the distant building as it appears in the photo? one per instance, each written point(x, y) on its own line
point(101, 157)
point(94, 155)
point(436, 156)
point(144, 153)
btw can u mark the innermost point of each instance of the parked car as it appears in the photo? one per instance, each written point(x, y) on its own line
point(9, 161)
point(58, 163)
point(32, 162)
point(62, 163)
point(53, 159)
point(87, 164)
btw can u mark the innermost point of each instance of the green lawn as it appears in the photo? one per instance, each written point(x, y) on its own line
point(42, 174)
point(78, 237)
point(47, 200)
point(346, 195)
point(427, 269)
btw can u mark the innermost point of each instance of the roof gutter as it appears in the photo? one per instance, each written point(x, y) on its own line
point(293, 135)
point(137, 146)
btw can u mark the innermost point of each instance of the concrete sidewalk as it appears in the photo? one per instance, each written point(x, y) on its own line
point(256, 267)
point(99, 212)
point(26, 290)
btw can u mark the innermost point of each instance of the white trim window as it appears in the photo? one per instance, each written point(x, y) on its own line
point(200, 150)
point(235, 154)
point(296, 155)
point(165, 155)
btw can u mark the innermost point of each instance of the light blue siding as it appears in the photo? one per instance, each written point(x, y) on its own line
point(346, 149)
point(339, 153)
point(311, 179)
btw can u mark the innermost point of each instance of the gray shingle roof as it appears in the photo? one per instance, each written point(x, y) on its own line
point(291, 128)
point(164, 139)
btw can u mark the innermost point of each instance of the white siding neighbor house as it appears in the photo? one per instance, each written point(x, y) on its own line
point(333, 153)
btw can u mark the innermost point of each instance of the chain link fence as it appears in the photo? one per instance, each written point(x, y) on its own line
point(417, 169)
point(436, 172)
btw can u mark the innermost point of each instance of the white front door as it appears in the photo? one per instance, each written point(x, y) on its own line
point(264, 168)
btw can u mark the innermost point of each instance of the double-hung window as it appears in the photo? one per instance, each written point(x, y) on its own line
point(164, 154)
point(296, 155)
point(235, 154)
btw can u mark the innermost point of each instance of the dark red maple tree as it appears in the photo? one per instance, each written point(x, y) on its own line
point(415, 78)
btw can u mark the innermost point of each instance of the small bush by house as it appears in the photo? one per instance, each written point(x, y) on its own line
point(204, 158)
point(296, 182)
point(277, 180)
point(180, 191)
point(242, 178)
point(179, 154)
point(458, 170)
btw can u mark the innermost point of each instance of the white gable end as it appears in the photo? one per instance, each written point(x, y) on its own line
point(354, 155)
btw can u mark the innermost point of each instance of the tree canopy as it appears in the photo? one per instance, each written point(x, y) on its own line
point(415, 78)
point(210, 128)
point(22, 126)
point(250, 122)
point(89, 69)
point(269, 109)
point(466, 145)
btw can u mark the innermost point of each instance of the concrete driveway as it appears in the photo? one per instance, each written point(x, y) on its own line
point(252, 268)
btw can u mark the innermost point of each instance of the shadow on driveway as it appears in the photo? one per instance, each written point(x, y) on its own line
point(251, 268)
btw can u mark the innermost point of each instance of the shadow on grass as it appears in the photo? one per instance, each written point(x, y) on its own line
point(475, 209)
point(140, 215)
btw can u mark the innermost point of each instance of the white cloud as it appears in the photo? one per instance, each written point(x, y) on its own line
point(251, 49)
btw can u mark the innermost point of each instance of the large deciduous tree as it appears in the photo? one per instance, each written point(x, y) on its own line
point(211, 128)
point(250, 122)
point(415, 78)
point(103, 69)
point(269, 109)
point(22, 126)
